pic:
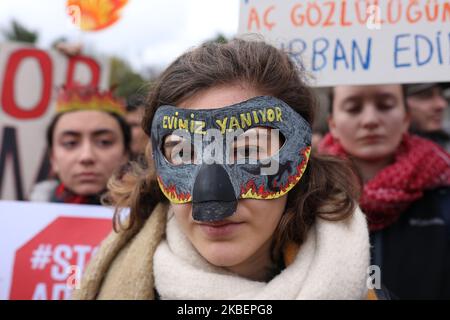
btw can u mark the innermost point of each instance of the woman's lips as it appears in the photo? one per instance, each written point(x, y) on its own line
point(87, 176)
point(372, 138)
point(219, 229)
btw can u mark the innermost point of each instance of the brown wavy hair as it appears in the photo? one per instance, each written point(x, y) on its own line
point(328, 188)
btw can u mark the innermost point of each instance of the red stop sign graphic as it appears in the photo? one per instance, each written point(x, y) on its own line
point(49, 265)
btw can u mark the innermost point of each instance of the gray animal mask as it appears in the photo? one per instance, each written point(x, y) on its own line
point(213, 157)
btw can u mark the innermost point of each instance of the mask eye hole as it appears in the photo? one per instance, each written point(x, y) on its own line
point(178, 150)
point(256, 144)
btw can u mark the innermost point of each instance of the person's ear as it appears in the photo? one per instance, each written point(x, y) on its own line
point(332, 125)
point(125, 157)
point(53, 163)
point(406, 122)
point(149, 149)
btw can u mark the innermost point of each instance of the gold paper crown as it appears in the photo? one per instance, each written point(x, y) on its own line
point(88, 98)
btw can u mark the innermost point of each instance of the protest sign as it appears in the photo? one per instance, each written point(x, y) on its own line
point(45, 247)
point(29, 78)
point(357, 41)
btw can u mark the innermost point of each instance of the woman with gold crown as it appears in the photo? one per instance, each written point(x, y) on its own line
point(88, 139)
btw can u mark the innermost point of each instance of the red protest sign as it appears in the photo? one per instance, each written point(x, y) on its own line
point(49, 266)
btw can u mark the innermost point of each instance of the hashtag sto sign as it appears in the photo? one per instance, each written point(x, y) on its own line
point(49, 266)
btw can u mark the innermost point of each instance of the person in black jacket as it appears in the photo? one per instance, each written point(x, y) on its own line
point(406, 188)
point(427, 105)
point(414, 251)
point(135, 112)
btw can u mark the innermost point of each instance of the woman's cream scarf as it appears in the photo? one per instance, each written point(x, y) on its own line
point(331, 264)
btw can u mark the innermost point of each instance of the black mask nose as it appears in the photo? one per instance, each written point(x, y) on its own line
point(213, 196)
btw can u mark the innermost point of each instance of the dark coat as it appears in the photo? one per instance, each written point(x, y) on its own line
point(414, 252)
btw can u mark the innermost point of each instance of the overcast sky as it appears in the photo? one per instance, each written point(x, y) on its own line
point(149, 33)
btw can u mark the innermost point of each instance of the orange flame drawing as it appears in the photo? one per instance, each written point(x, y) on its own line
point(94, 15)
point(251, 190)
point(172, 193)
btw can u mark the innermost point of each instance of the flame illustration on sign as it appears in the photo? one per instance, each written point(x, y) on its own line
point(94, 15)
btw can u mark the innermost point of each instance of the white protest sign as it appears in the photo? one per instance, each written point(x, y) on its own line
point(357, 41)
point(29, 78)
point(45, 247)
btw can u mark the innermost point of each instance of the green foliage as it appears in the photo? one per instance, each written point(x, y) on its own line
point(20, 33)
point(125, 81)
point(220, 38)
